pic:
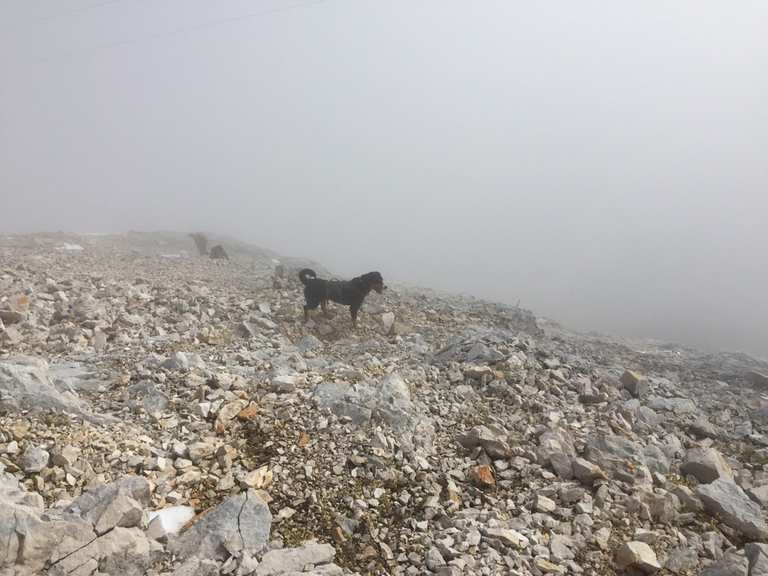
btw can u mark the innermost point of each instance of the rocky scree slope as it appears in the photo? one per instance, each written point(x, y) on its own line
point(162, 413)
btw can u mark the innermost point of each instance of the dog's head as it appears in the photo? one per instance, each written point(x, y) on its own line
point(373, 281)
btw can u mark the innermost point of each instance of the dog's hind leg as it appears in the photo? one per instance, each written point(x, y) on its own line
point(324, 307)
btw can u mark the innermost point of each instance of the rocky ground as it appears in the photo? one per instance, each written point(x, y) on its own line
point(164, 413)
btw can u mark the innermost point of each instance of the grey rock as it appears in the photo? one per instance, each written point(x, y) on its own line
point(706, 465)
point(560, 548)
point(308, 343)
point(634, 383)
point(554, 443)
point(703, 428)
point(586, 472)
point(34, 459)
point(434, 559)
point(727, 501)
point(682, 560)
point(688, 500)
point(732, 564)
point(27, 384)
point(492, 441)
point(240, 524)
point(757, 555)
point(619, 457)
point(638, 556)
point(118, 504)
point(759, 494)
point(177, 361)
point(197, 567)
point(676, 405)
point(277, 562)
point(121, 551)
point(387, 401)
point(67, 540)
point(145, 396)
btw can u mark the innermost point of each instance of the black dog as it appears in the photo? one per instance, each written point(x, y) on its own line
point(318, 292)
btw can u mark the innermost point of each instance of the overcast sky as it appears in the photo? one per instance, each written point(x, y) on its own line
point(605, 163)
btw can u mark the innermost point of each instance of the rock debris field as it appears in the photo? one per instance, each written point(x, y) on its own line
point(165, 413)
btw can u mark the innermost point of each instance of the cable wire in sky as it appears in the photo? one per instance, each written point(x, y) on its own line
point(230, 20)
point(79, 10)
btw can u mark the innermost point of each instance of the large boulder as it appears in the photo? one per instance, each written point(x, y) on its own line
point(101, 531)
point(757, 554)
point(706, 465)
point(239, 525)
point(732, 564)
point(619, 457)
point(27, 384)
point(636, 384)
point(725, 500)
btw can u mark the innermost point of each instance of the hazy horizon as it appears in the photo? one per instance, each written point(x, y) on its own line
point(602, 163)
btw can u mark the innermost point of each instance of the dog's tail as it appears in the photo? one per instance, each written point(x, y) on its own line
point(306, 274)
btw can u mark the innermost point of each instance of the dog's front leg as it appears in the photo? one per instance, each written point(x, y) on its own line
point(324, 307)
point(353, 310)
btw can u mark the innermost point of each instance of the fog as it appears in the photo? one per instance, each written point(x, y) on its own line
point(603, 163)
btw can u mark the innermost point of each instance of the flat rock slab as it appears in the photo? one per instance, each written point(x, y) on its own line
point(240, 524)
point(277, 562)
point(728, 502)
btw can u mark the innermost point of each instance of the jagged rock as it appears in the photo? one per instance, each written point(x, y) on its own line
point(634, 383)
point(34, 459)
point(732, 564)
point(491, 441)
point(554, 443)
point(145, 396)
point(121, 551)
point(706, 465)
point(118, 504)
point(676, 405)
point(544, 504)
point(703, 428)
point(509, 537)
point(276, 562)
point(682, 561)
point(757, 555)
point(728, 502)
point(759, 494)
point(619, 457)
point(586, 472)
point(689, 501)
point(81, 539)
point(560, 548)
point(638, 556)
point(240, 524)
point(26, 384)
